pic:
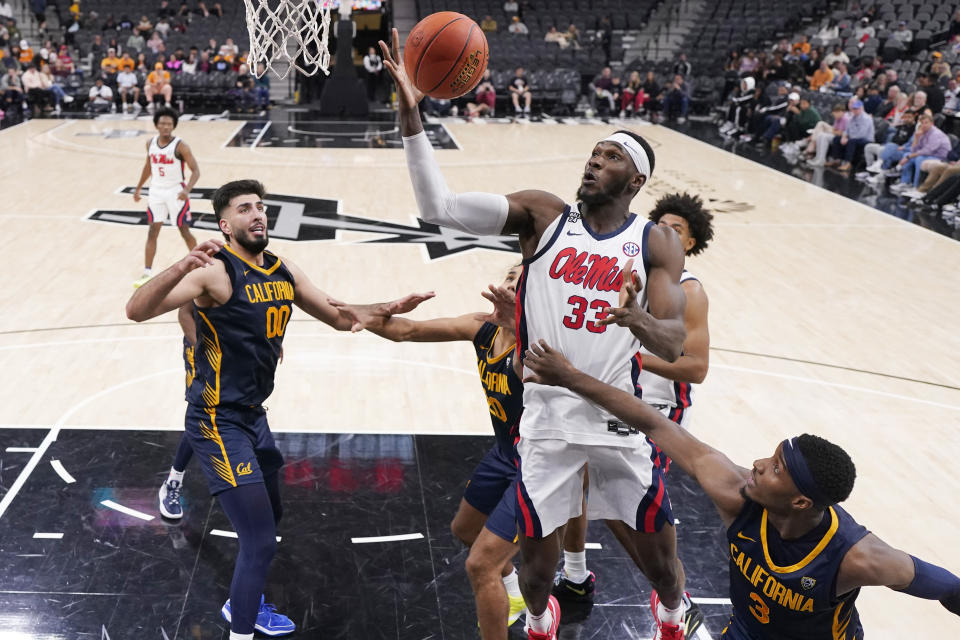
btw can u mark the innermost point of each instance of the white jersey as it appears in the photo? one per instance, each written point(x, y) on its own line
point(166, 169)
point(659, 391)
point(566, 284)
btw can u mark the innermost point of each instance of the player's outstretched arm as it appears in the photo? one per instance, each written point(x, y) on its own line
point(661, 330)
point(526, 213)
point(719, 477)
point(694, 362)
point(177, 285)
point(321, 306)
point(872, 562)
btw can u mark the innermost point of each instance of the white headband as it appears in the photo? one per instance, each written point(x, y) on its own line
point(634, 150)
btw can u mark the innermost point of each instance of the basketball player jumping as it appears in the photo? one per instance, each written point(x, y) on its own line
point(169, 194)
point(486, 520)
point(668, 386)
point(242, 303)
point(578, 289)
point(797, 559)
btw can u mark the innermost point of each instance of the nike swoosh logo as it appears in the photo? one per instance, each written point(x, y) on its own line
point(246, 271)
point(743, 537)
point(579, 592)
point(571, 233)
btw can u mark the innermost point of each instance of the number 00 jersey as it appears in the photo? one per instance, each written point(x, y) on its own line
point(565, 286)
point(239, 343)
point(785, 588)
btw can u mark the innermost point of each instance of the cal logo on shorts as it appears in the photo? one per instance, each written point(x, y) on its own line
point(244, 469)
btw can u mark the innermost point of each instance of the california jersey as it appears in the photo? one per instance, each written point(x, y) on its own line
point(503, 388)
point(660, 391)
point(240, 343)
point(574, 275)
point(785, 588)
point(166, 169)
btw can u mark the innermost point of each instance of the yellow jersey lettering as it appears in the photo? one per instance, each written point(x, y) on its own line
point(759, 573)
point(807, 605)
point(243, 469)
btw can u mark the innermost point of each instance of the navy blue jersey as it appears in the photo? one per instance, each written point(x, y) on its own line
point(503, 388)
point(785, 589)
point(239, 343)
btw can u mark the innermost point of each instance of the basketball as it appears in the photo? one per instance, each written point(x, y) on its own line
point(445, 55)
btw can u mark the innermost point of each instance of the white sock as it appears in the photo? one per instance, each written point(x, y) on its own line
point(241, 636)
point(670, 616)
point(575, 566)
point(512, 584)
point(541, 623)
point(175, 475)
point(146, 271)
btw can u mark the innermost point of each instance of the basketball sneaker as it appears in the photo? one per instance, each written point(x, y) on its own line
point(569, 591)
point(664, 630)
point(269, 622)
point(517, 608)
point(554, 608)
point(170, 506)
point(142, 280)
point(692, 617)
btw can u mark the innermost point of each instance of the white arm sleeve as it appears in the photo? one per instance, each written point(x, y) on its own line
point(481, 214)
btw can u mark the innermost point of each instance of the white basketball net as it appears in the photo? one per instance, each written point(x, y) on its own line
point(293, 33)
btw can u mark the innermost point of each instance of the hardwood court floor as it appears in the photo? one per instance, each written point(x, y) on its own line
point(826, 316)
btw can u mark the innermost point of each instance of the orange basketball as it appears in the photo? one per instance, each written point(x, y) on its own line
point(445, 55)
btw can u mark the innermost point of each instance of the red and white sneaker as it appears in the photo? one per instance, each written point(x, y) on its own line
point(664, 630)
point(554, 608)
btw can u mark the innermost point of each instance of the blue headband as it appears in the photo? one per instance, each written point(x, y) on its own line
point(800, 472)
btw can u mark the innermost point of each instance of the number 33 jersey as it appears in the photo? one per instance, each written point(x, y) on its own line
point(240, 343)
point(574, 275)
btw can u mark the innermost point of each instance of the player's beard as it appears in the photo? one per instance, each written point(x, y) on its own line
point(604, 195)
point(251, 244)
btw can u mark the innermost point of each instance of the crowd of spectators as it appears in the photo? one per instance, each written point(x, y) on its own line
point(115, 72)
point(899, 121)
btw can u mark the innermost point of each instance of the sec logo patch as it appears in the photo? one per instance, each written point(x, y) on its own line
point(630, 249)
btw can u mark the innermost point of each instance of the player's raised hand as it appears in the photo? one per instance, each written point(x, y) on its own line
point(626, 313)
point(408, 303)
point(504, 307)
point(408, 95)
point(202, 254)
point(547, 365)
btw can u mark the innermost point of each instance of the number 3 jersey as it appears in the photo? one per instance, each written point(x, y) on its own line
point(240, 343)
point(786, 589)
point(566, 284)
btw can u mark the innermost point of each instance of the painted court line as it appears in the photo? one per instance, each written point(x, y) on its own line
point(58, 467)
point(21, 449)
point(27, 470)
point(228, 534)
point(47, 536)
point(593, 545)
point(110, 504)
point(405, 536)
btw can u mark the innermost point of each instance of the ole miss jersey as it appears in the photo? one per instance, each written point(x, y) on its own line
point(657, 390)
point(166, 169)
point(574, 275)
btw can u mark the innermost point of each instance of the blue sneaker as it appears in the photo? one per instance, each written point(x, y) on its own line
point(269, 622)
point(170, 500)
